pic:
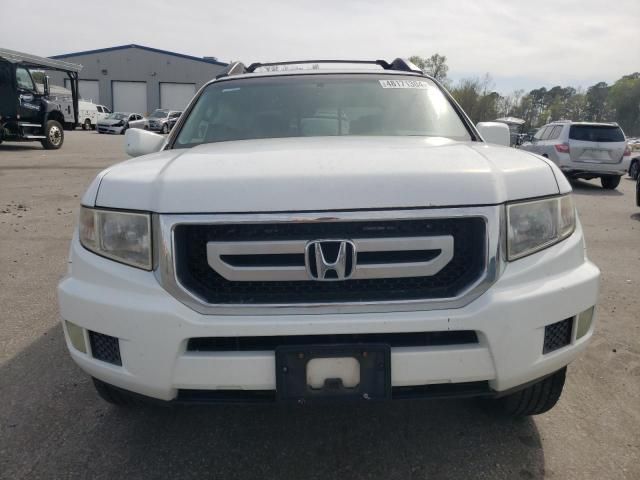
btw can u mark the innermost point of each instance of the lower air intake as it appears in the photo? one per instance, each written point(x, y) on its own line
point(557, 335)
point(105, 348)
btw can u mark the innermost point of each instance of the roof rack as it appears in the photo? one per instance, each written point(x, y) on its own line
point(399, 64)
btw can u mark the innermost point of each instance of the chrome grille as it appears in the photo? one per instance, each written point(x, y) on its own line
point(184, 263)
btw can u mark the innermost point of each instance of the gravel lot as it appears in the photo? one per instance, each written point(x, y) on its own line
point(52, 424)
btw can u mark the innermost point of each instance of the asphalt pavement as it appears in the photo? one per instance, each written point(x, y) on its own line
point(53, 425)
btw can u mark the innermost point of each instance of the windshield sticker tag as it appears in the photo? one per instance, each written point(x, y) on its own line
point(404, 84)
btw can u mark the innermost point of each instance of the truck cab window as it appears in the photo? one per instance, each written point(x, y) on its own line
point(23, 79)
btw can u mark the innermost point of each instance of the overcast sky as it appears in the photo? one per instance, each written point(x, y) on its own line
point(521, 44)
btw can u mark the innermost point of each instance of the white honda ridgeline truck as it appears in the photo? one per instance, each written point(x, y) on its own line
point(339, 234)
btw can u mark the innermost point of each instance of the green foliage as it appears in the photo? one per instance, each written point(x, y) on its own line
point(619, 102)
point(624, 99)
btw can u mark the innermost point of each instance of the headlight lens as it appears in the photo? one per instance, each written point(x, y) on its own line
point(538, 224)
point(121, 236)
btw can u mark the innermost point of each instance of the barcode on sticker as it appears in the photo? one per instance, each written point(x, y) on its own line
point(404, 84)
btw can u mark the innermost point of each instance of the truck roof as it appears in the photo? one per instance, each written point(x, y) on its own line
point(30, 60)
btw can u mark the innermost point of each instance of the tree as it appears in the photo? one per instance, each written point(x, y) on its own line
point(576, 107)
point(597, 109)
point(624, 99)
point(435, 66)
point(619, 102)
point(476, 97)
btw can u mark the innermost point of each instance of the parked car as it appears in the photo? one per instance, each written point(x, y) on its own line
point(119, 122)
point(584, 150)
point(90, 113)
point(159, 120)
point(323, 235)
point(173, 120)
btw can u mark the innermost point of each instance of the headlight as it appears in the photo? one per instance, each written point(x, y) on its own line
point(538, 224)
point(121, 236)
point(119, 124)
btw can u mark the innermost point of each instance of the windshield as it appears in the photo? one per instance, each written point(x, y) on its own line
point(159, 114)
point(596, 133)
point(320, 105)
point(118, 116)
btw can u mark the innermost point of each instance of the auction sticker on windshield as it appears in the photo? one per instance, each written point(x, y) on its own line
point(404, 84)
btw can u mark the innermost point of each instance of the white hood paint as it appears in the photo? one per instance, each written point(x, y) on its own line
point(324, 173)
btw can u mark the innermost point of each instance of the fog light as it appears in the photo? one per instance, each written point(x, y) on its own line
point(76, 336)
point(584, 322)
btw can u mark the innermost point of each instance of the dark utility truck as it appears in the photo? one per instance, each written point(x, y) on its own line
point(28, 109)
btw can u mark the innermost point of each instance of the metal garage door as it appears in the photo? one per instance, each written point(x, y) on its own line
point(129, 97)
point(89, 89)
point(176, 96)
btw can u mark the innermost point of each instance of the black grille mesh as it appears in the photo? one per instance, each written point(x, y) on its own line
point(557, 335)
point(465, 268)
point(105, 348)
point(266, 343)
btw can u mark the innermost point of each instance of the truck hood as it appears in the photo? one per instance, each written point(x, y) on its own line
point(324, 173)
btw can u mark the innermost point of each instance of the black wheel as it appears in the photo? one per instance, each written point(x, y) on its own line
point(54, 135)
point(638, 191)
point(165, 128)
point(124, 129)
point(114, 395)
point(634, 169)
point(610, 181)
point(535, 399)
point(86, 125)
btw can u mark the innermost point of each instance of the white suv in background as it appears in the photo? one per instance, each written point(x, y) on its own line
point(317, 235)
point(584, 150)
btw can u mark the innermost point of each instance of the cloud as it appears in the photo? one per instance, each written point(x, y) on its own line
point(567, 42)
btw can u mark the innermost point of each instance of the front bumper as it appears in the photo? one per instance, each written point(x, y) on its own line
point(155, 127)
point(153, 328)
point(109, 129)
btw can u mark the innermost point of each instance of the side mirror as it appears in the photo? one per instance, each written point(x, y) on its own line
point(141, 142)
point(46, 85)
point(495, 132)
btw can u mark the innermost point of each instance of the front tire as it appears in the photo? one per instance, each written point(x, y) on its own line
point(535, 399)
point(610, 182)
point(114, 395)
point(86, 125)
point(165, 128)
point(54, 135)
point(124, 129)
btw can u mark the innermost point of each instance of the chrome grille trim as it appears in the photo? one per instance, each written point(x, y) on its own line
point(165, 269)
point(217, 250)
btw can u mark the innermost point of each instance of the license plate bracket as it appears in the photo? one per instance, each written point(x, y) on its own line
point(291, 373)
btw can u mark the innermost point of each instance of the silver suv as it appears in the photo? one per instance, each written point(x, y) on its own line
point(584, 150)
point(161, 120)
